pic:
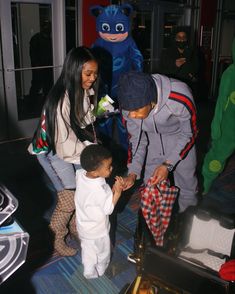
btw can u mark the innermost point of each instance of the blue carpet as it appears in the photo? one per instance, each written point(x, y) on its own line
point(65, 274)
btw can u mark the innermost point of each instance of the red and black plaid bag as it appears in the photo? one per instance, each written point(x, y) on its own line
point(156, 203)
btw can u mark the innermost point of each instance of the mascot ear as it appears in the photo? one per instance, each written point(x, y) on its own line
point(126, 9)
point(96, 10)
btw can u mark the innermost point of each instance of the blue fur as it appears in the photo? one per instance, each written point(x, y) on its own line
point(125, 54)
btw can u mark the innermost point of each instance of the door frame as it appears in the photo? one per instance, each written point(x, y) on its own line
point(25, 128)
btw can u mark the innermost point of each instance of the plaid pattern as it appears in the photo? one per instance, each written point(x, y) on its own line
point(156, 205)
point(61, 219)
point(40, 143)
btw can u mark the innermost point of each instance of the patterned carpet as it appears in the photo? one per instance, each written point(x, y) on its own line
point(44, 272)
point(64, 275)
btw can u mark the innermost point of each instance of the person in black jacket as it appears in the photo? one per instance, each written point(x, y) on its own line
point(41, 55)
point(180, 61)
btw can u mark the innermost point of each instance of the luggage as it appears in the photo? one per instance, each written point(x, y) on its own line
point(13, 239)
point(206, 242)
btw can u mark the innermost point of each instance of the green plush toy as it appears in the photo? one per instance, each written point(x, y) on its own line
point(105, 106)
point(222, 127)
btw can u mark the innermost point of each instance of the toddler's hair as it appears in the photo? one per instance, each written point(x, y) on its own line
point(92, 157)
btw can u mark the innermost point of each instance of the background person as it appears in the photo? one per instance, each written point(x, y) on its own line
point(222, 128)
point(94, 202)
point(63, 133)
point(41, 55)
point(180, 60)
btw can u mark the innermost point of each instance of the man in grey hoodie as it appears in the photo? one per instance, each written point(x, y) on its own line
point(160, 117)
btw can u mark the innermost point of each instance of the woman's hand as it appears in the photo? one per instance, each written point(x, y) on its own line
point(129, 181)
point(180, 61)
point(160, 174)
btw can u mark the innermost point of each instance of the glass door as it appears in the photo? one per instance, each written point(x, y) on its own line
point(141, 33)
point(30, 33)
point(152, 26)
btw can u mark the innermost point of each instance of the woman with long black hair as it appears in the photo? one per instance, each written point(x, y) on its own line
point(65, 128)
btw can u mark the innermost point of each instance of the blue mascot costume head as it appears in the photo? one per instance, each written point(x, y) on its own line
point(113, 23)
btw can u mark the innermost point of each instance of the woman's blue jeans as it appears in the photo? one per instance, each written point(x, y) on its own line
point(60, 172)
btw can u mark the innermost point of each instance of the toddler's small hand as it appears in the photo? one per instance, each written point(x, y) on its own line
point(120, 181)
point(119, 184)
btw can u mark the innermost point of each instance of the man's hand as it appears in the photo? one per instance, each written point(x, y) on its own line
point(160, 174)
point(129, 181)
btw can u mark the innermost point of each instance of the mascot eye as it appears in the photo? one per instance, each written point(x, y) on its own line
point(119, 27)
point(105, 27)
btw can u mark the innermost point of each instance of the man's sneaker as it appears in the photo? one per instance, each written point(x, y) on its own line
point(132, 257)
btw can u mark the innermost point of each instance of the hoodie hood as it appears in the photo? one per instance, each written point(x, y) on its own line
point(163, 86)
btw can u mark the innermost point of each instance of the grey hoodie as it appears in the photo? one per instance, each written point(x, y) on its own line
point(168, 133)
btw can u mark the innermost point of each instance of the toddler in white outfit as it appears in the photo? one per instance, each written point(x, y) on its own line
point(95, 201)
